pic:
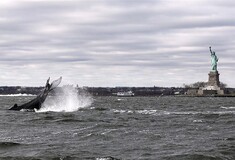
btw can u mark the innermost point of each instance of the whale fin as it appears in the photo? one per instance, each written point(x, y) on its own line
point(55, 83)
point(15, 107)
point(37, 102)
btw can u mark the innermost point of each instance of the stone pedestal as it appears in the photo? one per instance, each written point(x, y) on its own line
point(213, 79)
point(213, 85)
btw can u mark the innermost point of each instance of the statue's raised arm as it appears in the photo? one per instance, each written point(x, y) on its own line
point(210, 50)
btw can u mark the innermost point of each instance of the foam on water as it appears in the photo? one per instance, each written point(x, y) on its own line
point(227, 107)
point(156, 112)
point(67, 101)
point(16, 95)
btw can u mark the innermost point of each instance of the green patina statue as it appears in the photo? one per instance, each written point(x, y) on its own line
point(214, 60)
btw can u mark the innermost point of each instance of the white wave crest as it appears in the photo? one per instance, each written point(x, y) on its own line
point(227, 107)
point(66, 100)
point(158, 112)
point(16, 95)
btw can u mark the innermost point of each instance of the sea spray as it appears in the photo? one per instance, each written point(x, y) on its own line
point(67, 99)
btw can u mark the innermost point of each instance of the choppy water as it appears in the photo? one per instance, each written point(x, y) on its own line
point(151, 128)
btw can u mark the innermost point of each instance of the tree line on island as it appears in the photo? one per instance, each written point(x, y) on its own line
point(202, 84)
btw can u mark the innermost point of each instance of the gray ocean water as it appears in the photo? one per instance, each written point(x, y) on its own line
point(146, 128)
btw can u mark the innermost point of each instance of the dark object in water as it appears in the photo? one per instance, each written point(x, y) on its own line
point(37, 102)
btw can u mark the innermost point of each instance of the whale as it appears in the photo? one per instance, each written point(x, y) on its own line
point(36, 103)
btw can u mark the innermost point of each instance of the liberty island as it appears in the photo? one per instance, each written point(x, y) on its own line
point(213, 85)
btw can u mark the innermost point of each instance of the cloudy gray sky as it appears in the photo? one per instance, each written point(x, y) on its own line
point(115, 42)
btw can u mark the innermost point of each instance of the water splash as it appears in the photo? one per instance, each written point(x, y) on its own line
point(67, 99)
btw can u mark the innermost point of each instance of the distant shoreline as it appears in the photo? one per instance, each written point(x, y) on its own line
point(112, 91)
point(225, 95)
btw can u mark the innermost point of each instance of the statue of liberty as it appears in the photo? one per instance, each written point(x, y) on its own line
point(214, 60)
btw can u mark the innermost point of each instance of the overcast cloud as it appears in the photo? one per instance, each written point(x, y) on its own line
point(115, 42)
